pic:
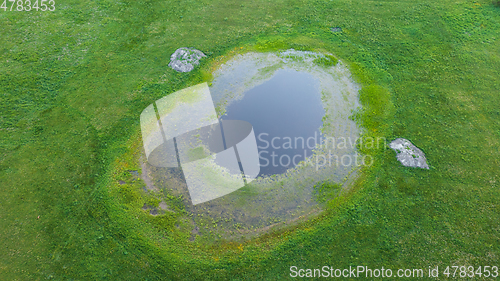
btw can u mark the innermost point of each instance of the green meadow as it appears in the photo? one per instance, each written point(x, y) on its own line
point(73, 83)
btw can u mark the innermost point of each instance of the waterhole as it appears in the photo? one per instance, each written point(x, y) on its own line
point(299, 105)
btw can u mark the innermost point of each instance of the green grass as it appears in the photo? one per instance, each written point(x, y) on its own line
point(328, 60)
point(74, 82)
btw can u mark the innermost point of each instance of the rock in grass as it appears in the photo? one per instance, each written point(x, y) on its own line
point(184, 59)
point(336, 29)
point(408, 154)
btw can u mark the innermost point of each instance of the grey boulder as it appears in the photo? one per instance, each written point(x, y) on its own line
point(184, 59)
point(408, 154)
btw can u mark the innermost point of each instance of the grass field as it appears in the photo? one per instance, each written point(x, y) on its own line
point(73, 83)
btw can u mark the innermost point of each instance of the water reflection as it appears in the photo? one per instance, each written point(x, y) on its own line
point(285, 112)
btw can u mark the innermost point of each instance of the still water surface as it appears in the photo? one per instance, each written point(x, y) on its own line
point(284, 111)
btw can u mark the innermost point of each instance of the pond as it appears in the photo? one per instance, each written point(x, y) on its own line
point(298, 104)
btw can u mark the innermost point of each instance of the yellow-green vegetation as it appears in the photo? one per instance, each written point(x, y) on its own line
point(73, 83)
point(188, 95)
point(328, 60)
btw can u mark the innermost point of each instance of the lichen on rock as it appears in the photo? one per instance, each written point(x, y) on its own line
point(184, 59)
point(408, 154)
